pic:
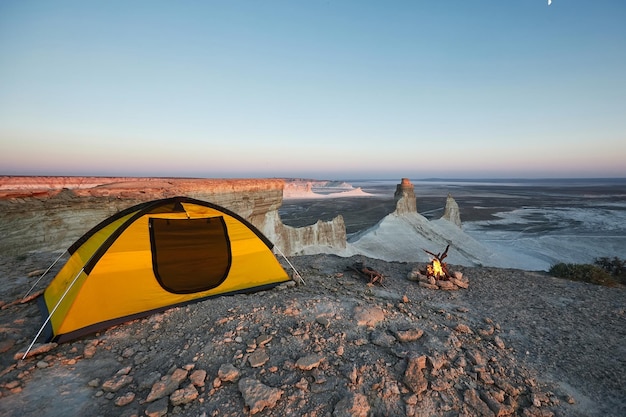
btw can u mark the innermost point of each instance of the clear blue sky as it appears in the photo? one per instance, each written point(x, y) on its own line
point(316, 88)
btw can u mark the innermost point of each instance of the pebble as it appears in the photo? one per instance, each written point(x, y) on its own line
point(228, 373)
point(258, 358)
point(309, 362)
point(125, 399)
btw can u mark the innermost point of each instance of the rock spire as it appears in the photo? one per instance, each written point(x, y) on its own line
point(405, 197)
point(452, 212)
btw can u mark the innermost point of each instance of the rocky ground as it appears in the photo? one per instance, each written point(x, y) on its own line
point(513, 343)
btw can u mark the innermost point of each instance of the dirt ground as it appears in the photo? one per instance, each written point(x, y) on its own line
point(513, 343)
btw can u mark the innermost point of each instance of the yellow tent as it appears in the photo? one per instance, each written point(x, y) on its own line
point(151, 257)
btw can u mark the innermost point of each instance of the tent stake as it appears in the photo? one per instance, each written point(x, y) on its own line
point(44, 274)
point(290, 264)
point(51, 313)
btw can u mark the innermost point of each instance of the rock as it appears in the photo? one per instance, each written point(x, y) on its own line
point(414, 376)
point(258, 358)
point(309, 362)
point(383, 339)
point(322, 321)
point(167, 385)
point(436, 361)
point(368, 316)
point(485, 377)
point(441, 384)
point(446, 285)
point(459, 283)
point(463, 328)
point(303, 384)
point(427, 285)
point(89, 351)
point(258, 396)
point(498, 341)
point(124, 371)
point(496, 406)
point(184, 396)
point(125, 399)
point(128, 352)
point(413, 275)
point(228, 373)
point(472, 399)
point(37, 349)
point(116, 383)
point(533, 411)
point(539, 398)
point(264, 339)
point(157, 408)
point(476, 357)
point(352, 405)
point(406, 336)
point(198, 377)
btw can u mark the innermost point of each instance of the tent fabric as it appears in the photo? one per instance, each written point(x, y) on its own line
point(154, 256)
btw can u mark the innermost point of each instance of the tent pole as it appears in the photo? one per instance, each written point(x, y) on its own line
point(290, 264)
point(44, 274)
point(51, 313)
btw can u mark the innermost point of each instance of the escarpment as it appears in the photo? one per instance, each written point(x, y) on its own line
point(51, 213)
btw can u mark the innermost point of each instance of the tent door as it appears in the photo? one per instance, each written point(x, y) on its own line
point(190, 255)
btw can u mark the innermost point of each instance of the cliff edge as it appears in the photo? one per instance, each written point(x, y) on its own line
point(50, 213)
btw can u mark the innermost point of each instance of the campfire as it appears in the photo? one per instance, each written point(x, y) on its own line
point(436, 275)
point(437, 268)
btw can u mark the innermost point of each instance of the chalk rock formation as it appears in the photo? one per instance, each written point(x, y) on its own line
point(405, 197)
point(404, 234)
point(321, 237)
point(452, 212)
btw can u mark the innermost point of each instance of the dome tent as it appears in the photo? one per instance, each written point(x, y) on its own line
point(151, 257)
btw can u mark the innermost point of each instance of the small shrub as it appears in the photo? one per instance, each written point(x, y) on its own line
point(583, 272)
point(614, 266)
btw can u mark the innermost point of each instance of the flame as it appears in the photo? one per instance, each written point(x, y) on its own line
point(435, 269)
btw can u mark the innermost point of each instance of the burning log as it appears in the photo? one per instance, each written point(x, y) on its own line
point(437, 268)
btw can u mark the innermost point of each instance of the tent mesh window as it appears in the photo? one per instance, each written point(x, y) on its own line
point(190, 255)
